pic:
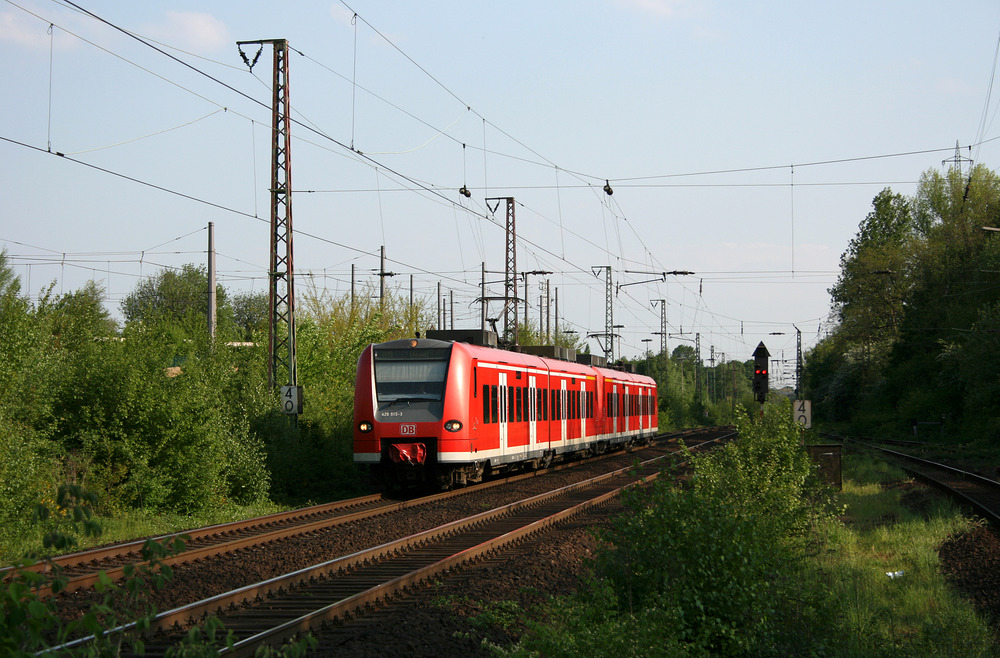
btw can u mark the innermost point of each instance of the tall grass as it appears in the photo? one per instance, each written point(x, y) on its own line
point(915, 612)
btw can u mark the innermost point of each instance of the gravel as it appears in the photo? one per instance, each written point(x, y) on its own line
point(450, 616)
point(437, 620)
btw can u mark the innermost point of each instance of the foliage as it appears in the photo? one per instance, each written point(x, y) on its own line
point(708, 569)
point(750, 560)
point(28, 622)
point(165, 439)
point(250, 315)
point(179, 299)
point(875, 276)
point(30, 625)
point(27, 371)
point(914, 303)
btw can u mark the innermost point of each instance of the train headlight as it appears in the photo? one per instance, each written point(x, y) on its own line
point(453, 425)
point(365, 426)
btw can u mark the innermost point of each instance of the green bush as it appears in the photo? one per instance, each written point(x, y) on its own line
point(165, 440)
point(711, 568)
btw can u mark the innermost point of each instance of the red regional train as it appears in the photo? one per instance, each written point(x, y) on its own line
point(428, 410)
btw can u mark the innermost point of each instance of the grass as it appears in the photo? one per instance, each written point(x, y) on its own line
point(131, 525)
point(890, 526)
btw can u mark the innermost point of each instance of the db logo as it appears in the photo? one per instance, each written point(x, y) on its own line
point(407, 430)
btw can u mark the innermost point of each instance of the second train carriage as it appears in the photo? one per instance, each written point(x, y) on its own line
point(451, 411)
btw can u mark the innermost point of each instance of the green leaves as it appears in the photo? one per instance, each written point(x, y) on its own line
point(705, 569)
point(912, 304)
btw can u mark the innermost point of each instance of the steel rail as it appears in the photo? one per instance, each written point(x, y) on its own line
point(383, 591)
point(296, 520)
point(116, 551)
point(186, 614)
point(988, 508)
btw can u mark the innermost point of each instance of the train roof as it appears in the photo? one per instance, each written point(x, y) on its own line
point(523, 359)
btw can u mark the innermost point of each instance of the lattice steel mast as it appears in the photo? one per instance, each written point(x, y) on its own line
point(281, 298)
point(609, 320)
point(510, 272)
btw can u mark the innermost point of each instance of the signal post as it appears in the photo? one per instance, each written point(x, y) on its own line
point(760, 363)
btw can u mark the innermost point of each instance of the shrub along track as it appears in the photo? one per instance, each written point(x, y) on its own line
point(246, 568)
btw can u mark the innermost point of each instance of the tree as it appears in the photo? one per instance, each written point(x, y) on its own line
point(250, 314)
point(10, 283)
point(875, 277)
point(914, 301)
point(179, 299)
point(77, 317)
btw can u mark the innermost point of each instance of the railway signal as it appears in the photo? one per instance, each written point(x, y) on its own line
point(760, 359)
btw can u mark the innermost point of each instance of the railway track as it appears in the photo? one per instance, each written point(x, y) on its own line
point(83, 569)
point(982, 493)
point(363, 578)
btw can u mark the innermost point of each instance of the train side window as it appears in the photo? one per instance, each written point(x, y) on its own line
point(545, 403)
point(510, 403)
point(494, 416)
point(486, 403)
point(518, 395)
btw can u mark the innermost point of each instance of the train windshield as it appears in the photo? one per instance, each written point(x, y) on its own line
point(411, 374)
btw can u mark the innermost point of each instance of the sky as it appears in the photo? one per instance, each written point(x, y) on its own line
point(743, 141)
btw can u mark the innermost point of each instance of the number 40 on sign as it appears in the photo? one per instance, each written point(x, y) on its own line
point(291, 400)
point(802, 411)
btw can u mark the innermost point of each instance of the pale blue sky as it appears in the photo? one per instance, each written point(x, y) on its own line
point(655, 96)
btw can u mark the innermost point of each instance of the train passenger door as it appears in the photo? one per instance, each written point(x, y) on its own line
point(502, 390)
point(641, 404)
point(614, 409)
point(563, 399)
point(532, 412)
point(625, 403)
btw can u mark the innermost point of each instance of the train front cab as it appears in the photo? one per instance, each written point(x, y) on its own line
point(401, 410)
